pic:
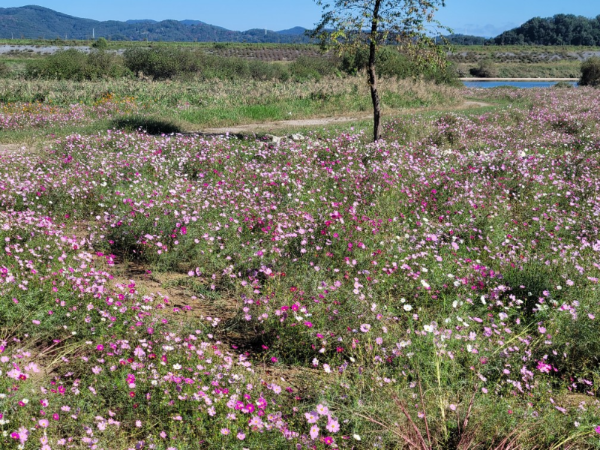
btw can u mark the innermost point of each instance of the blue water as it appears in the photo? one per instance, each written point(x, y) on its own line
point(518, 84)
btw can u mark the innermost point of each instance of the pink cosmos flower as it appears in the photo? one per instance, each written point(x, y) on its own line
point(333, 426)
point(311, 417)
point(322, 410)
point(314, 432)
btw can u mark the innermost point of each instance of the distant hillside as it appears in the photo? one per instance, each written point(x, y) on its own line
point(562, 29)
point(140, 21)
point(296, 31)
point(34, 22)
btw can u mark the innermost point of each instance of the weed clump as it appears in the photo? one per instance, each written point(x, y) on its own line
point(5, 70)
point(485, 69)
point(590, 72)
point(77, 66)
point(160, 63)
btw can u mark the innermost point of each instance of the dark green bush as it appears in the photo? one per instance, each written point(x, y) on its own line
point(75, 65)
point(161, 63)
point(100, 44)
point(563, 85)
point(485, 69)
point(590, 72)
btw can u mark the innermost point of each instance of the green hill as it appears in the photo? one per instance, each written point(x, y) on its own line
point(561, 29)
point(33, 22)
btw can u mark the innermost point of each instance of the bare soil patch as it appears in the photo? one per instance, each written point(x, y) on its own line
point(10, 149)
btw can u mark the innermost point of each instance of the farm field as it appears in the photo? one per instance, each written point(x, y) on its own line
point(437, 289)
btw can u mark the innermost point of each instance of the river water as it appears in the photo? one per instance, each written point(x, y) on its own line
point(517, 84)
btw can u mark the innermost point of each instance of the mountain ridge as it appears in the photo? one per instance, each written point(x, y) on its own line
point(33, 22)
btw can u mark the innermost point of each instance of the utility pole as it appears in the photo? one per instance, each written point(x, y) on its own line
point(93, 33)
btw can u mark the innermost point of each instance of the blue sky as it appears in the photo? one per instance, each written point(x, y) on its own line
point(479, 17)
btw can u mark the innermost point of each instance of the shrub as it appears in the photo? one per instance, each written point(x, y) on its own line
point(485, 69)
point(391, 63)
point(5, 70)
point(63, 65)
point(100, 44)
point(563, 85)
point(590, 72)
point(161, 63)
point(260, 70)
point(74, 65)
point(306, 67)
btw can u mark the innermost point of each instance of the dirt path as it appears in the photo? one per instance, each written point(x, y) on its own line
point(322, 121)
point(10, 149)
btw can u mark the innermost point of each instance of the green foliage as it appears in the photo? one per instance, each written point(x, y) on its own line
point(391, 63)
point(75, 65)
point(307, 67)
point(5, 70)
point(485, 69)
point(561, 29)
point(100, 44)
point(161, 62)
point(590, 72)
point(164, 62)
point(358, 24)
point(563, 85)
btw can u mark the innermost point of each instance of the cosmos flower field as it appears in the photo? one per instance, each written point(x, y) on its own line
point(436, 289)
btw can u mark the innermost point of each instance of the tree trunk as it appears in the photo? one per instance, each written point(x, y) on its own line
point(376, 103)
point(373, 74)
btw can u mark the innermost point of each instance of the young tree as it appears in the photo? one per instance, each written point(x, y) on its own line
point(351, 24)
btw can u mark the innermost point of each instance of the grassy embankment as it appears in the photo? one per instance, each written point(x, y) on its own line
point(174, 106)
point(523, 61)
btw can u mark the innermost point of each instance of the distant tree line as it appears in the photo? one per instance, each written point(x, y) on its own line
point(464, 39)
point(561, 29)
